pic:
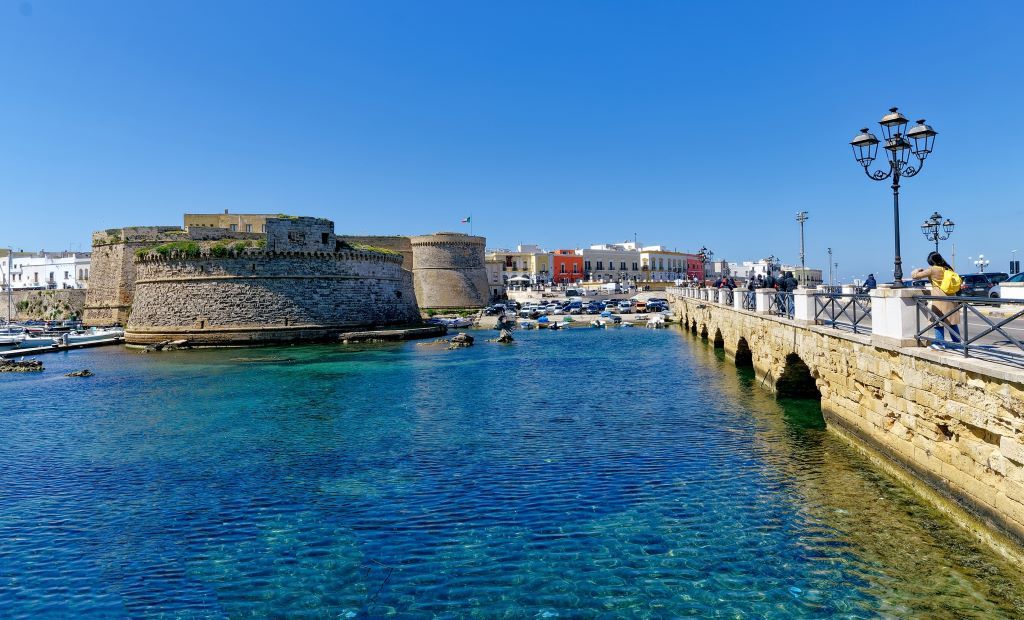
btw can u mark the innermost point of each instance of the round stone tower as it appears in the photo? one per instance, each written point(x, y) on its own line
point(448, 271)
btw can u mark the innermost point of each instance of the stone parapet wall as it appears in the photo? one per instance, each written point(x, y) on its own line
point(449, 272)
point(49, 305)
point(262, 296)
point(955, 425)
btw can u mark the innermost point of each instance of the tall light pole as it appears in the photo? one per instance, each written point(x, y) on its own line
point(981, 263)
point(802, 217)
point(830, 282)
point(1014, 265)
point(936, 230)
point(898, 150)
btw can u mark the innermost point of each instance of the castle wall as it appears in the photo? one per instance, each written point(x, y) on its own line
point(263, 296)
point(112, 279)
point(402, 245)
point(449, 272)
point(49, 305)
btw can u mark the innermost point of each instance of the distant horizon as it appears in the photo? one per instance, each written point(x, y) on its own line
point(561, 125)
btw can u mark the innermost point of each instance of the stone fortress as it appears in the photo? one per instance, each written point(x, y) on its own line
point(283, 279)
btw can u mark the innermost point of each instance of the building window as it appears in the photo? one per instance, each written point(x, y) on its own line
point(233, 227)
point(575, 268)
point(67, 275)
point(563, 268)
point(600, 265)
point(586, 265)
point(248, 228)
point(634, 267)
point(622, 265)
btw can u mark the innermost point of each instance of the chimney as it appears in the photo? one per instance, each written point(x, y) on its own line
point(225, 211)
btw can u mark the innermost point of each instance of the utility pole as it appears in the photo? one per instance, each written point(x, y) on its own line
point(802, 217)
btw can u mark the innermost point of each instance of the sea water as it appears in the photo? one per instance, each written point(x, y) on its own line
point(577, 473)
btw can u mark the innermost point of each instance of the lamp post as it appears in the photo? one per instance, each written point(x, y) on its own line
point(981, 263)
point(898, 150)
point(704, 255)
point(936, 230)
point(830, 283)
point(1014, 265)
point(802, 217)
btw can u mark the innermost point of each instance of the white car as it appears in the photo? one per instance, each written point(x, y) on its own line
point(997, 290)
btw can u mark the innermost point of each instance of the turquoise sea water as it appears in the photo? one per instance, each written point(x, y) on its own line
point(581, 473)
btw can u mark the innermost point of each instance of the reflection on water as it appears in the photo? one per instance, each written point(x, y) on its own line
point(573, 473)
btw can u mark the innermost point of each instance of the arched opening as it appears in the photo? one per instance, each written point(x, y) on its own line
point(744, 357)
point(719, 342)
point(693, 327)
point(796, 380)
point(703, 332)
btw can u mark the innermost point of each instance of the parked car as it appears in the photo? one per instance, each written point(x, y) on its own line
point(625, 306)
point(998, 277)
point(975, 285)
point(997, 290)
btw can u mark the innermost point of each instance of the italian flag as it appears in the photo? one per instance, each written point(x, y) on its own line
point(466, 220)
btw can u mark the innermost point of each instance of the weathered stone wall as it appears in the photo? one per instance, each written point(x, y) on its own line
point(263, 296)
point(449, 272)
point(50, 305)
point(402, 245)
point(955, 424)
point(112, 278)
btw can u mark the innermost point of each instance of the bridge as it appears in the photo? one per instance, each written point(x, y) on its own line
point(950, 423)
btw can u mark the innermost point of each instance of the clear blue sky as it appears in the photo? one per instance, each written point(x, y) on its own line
point(560, 123)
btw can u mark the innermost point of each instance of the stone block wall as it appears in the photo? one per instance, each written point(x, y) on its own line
point(49, 305)
point(954, 424)
point(112, 279)
point(449, 272)
point(262, 296)
point(402, 245)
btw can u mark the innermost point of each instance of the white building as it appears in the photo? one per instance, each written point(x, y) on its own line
point(527, 265)
point(44, 270)
point(660, 264)
point(752, 269)
point(611, 262)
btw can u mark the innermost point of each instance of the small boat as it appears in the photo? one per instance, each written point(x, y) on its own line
point(555, 326)
point(33, 341)
point(11, 336)
point(527, 324)
point(598, 323)
point(656, 321)
point(451, 323)
point(95, 333)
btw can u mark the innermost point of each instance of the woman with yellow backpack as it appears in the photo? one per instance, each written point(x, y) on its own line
point(945, 282)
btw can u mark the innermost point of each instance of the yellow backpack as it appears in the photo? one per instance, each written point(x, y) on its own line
point(951, 282)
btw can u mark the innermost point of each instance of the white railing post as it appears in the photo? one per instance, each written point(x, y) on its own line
point(894, 315)
point(803, 305)
point(737, 298)
point(763, 300)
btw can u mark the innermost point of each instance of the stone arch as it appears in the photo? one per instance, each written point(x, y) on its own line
point(693, 326)
point(718, 342)
point(744, 356)
point(704, 332)
point(796, 380)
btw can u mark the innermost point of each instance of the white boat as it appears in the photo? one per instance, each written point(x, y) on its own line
point(32, 341)
point(11, 336)
point(527, 324)
point(95, 333)
point(656, 321)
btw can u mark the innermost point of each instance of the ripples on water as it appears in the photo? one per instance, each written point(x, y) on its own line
point(578, 473)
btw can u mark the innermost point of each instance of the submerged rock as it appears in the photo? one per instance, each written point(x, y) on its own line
point(460, 340)
point(81, 373)
point(505, 337)
point(22, 366)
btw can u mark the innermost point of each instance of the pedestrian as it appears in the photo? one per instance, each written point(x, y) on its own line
point(870, 283)
point(789, 283)
point(731, 283)
point(945, 283)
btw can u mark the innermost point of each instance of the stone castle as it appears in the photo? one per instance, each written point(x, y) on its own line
point(294, 281)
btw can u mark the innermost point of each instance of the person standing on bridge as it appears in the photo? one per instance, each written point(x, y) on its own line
point(941, 275)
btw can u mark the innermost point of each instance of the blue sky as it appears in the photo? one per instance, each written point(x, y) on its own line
point(560, 123)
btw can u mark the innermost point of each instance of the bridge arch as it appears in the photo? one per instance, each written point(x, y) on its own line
point(744, 356)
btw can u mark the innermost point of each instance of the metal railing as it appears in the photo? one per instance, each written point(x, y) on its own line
point(750, 301)
point(781, 304)
point(979, 331)
point(728, 297)
point(841, 311)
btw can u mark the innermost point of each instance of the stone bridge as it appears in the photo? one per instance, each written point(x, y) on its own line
point(951, 427)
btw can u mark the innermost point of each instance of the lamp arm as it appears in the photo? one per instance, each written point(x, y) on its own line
point(878, 175)
point(909, 171)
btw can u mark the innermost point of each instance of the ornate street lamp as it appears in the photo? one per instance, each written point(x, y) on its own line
point(981, 263)
point(704, 255)
point(936, 230)
point(899, 146)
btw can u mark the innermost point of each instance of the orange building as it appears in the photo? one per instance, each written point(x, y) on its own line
point(567, 266)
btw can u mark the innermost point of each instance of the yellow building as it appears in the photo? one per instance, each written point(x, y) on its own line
point(238, 222)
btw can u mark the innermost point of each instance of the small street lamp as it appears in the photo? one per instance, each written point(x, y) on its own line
point(936, 230)
point(802, 217)
point(981, 263)
point(704, 255)
point(898, 149)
